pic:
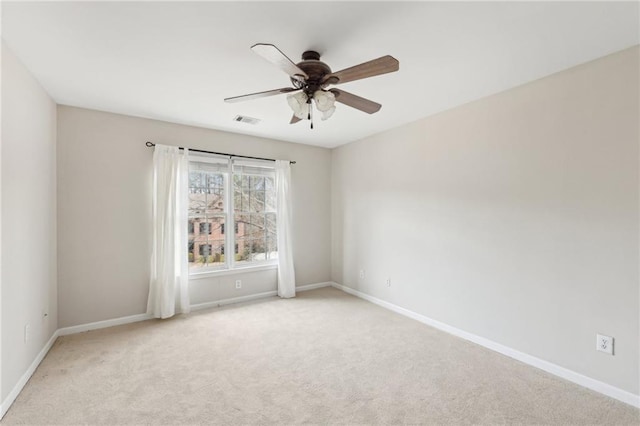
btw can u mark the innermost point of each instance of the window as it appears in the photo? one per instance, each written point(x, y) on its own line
point(238, 192)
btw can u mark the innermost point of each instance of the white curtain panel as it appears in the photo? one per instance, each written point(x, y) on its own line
point(168, 289)
point(286, 273)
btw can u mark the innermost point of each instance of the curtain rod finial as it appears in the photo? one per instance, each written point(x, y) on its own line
point(150, 144)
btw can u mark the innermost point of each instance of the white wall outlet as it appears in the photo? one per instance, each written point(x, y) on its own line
point(388, 282)
point(238, 283)
point(604, 344)
point(27, 333)
point(362, 274)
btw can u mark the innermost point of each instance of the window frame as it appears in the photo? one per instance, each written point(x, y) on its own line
point(230, 265)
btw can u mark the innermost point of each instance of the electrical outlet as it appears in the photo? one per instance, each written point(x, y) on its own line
point(238, 283)
point(362, 274)
point(27, 333)
point(604, 344)
point(388, 282)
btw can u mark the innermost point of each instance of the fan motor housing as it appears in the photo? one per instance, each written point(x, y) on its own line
point(315, 69)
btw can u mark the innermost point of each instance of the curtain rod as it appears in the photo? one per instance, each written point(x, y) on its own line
point(150, 144)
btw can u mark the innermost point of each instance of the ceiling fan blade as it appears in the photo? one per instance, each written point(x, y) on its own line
point(294, 120)
point(356, 102)
point(260, 94)
point(372, 68)
point(276, 57)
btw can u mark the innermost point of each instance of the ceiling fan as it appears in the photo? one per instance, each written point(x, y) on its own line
point(310, 79)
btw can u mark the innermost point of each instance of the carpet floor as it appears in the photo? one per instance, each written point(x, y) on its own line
point(324, 357)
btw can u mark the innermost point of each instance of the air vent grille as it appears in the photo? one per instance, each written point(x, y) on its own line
point(245, 119)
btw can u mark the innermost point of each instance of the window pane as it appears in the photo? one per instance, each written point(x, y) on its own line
point(196, 179)
point(206, 214)
point(269, 184)
point(255, 205)
point(250, 225)
point(216, 224)
point(258, 247)
point(237, 201)
point(245, 196)
point(272, 246)
point(197, 202)
point(206, 244)
point(244, 250)
point(243, 222)
point(215, 182)
point(250, 250)
point(257, 183)
point(270, 201)
point(258, 198)
point(270, 223)
point(239, 193)
point(206, 254)
point(260, 225)
point(215, 203)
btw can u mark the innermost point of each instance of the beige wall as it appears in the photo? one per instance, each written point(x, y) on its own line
point(28, 219)
point(104, 201)
point(514, 217)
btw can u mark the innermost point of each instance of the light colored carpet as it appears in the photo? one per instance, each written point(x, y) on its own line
point(323, 358)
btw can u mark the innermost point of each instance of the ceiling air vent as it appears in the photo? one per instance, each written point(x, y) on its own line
point(245, 119)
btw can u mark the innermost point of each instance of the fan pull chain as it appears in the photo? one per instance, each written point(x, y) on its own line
point(310, 117)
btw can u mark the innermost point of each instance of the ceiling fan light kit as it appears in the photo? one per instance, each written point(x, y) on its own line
point(325, 103)
point(310, 79)
point(299, 104)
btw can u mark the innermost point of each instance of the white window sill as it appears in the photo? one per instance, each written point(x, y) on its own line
point(234, 271)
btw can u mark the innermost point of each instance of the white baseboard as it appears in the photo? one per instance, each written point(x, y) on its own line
point(26, 376)
point(572, 376)
point(103, 324)
point(222, 302)
point(314, 286)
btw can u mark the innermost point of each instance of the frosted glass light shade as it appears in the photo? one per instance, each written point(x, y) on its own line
point(299, 105)
point(328, 113)
point(325, 101)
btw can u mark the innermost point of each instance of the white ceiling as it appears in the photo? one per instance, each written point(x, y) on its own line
point(177, 61)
